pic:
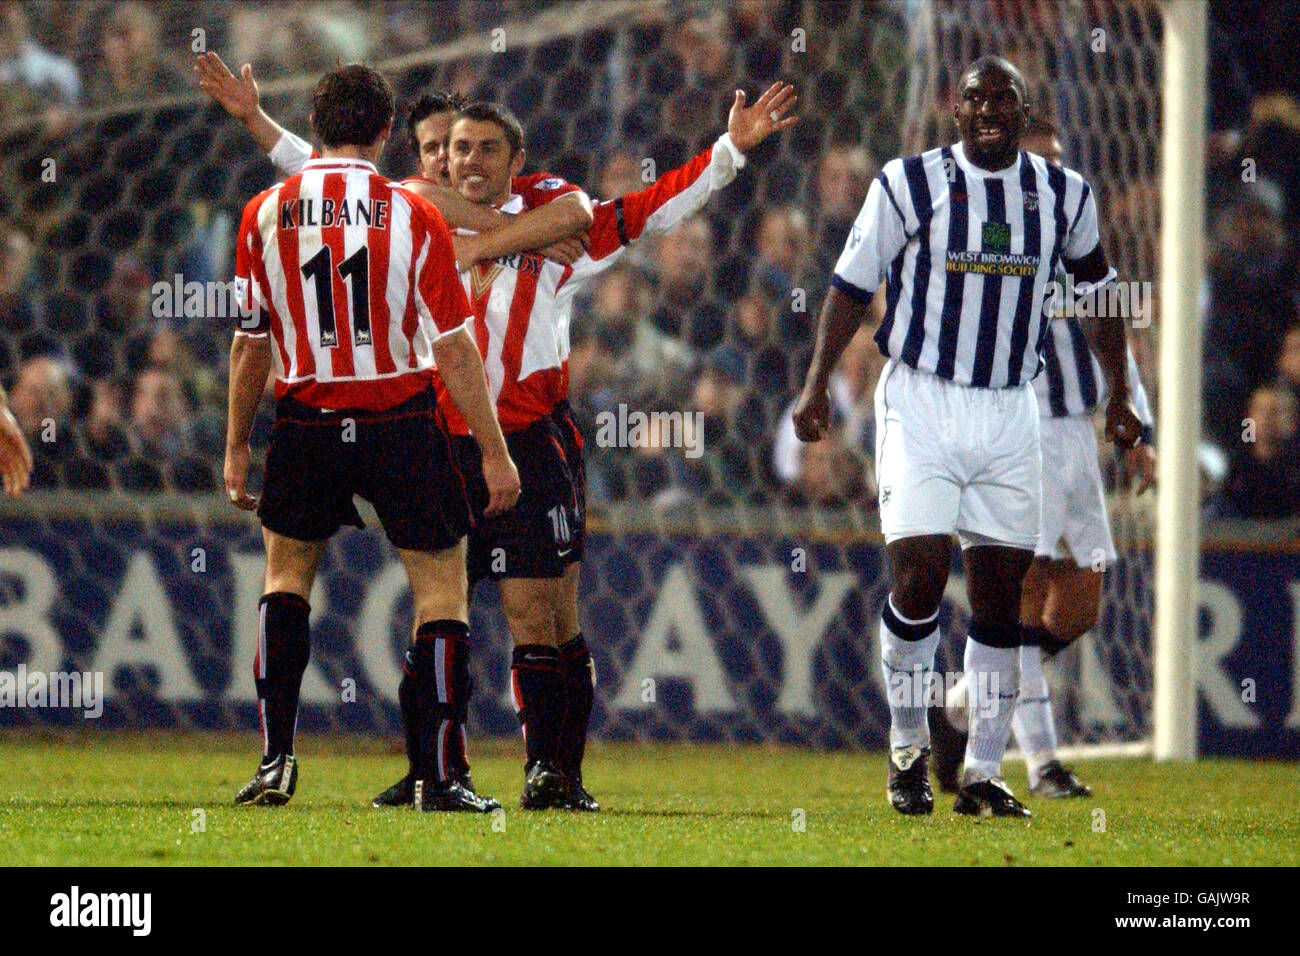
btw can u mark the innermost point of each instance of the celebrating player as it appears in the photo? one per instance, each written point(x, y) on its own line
point(1062, 590)
point(351, 294)
point(553, 229)
point(522, 305)
point(966, 239)
point(15, 457)
point(428, 123)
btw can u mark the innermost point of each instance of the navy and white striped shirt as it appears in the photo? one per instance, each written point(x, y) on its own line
point(1072, 383)
point(967, 256)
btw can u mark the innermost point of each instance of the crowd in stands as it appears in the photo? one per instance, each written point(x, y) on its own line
point(715, 318)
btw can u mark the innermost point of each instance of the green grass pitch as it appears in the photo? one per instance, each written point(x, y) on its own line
point(131, 799)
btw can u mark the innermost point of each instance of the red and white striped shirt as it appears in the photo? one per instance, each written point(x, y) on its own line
point(523, 303)
point(354, 278)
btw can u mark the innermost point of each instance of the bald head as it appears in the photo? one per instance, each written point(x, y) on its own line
point(990, 112)
point(996, 65)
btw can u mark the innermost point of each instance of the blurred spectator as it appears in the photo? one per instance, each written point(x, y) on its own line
point(705, 461)
point(650, 368)
point(620, 174)
point(42, 394)
point(1288, 376)
point(752, 331)
point(17, 280)
point(843, 176)
point(852, 412)
point(833, 473)
point(780, 243)
point(132, 66)
point(31, 77)
point(684, 259)
point(1263, 479)
point(41, 400)
point(159, 416)
point(281, 39)
point(1288, 361)
point(1251, 285)
point(105, 427)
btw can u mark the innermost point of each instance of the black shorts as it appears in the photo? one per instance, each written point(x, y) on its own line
point(400, 460)
point(571, 443)
point(535, 538)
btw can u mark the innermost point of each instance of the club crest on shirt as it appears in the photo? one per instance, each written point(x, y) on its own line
point(884, 495)
point(996, 235)
point(482, 276)
point(1031, 201)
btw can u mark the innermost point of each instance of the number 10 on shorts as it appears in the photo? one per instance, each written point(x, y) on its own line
point(560, 524)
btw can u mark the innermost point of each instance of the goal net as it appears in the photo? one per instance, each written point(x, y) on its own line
point(731, 590)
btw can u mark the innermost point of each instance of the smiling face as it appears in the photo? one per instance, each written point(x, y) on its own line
point(990, 116)
point(480, 161)
point(431, 137)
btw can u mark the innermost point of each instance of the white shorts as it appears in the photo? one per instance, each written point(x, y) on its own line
point(1074, 501)
point(952, 458)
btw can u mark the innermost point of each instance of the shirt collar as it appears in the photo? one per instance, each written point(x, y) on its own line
point(970, 169)
point(337, 162)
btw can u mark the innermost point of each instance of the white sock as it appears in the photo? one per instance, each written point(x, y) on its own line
point(907, 665)
point(994, 679)
point(1035, 731)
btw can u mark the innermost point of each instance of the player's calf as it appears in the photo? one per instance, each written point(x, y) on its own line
point(440, 675)
point(577, 685)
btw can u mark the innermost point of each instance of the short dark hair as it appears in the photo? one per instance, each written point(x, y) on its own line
point(997, 64)
point(485, 112)
point(425, 105)
point(351, 105)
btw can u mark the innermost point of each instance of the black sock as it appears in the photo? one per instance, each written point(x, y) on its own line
point(406, 703)
point(284, 645)
point(578, 683)
point(440, 673)
point(535, 684)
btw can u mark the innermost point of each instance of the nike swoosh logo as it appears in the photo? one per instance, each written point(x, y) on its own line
point(564, 553)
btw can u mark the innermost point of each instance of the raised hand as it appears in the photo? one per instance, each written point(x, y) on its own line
point(750, 125)
point(238, 95)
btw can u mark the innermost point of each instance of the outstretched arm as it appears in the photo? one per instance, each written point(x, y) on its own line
point(678, 194)
point(238, 96)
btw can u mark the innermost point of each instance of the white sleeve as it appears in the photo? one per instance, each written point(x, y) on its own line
point(875, 239)
point(1083, 237)
point(290, 153)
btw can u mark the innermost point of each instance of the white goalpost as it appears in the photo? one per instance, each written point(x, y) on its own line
point(1182, 202)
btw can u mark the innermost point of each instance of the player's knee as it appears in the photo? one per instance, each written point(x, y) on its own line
point(532, 617)
point(916, 594)
point(449, 608)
